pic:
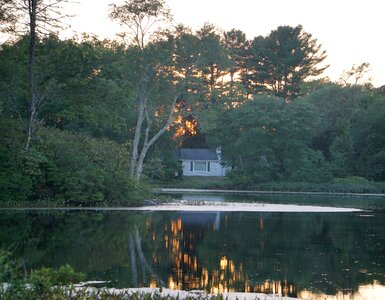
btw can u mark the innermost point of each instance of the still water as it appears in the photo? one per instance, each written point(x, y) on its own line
point(304, 255)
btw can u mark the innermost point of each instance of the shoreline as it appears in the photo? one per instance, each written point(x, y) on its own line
point(180, 294)
point(260, 192)
point(210, 207)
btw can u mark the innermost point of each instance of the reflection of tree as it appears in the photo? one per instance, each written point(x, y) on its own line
point(276, 252)
point(134, 272)
point(323, 252)
point(144, 264)
point(92, 242)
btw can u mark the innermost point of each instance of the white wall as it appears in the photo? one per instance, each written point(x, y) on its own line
point(215, 169)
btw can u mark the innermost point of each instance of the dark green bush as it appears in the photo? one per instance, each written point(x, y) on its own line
point(313, 168)
point(162, 168)
point(45, 283)
point(46, 278)
point(15, 184)
point(71, 168)
point(84, 170)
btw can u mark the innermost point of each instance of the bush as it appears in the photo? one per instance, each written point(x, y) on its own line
point(351, 179)
point(239, 181)
point(71, 168)
point(164, 168)
point(313, 168)
point(84, 170)
point(15, 184)
point(44, 279)
point(45, 283)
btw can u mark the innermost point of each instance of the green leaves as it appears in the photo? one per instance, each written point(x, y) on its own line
point(86, 171)
point(279, 62)
point(140, 17)
point(44, 279)
point(271, 134)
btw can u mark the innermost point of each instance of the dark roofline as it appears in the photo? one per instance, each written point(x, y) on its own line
point(201, 154)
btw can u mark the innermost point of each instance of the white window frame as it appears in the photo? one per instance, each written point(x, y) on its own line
point(207, 166)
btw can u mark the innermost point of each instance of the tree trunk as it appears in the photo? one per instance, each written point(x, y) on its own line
point(138, 132)
point(137, 162)
point(134, 272)
point(143, 259)
point(32, 4)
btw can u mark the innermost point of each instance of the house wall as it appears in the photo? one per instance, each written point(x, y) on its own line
point(215, 169)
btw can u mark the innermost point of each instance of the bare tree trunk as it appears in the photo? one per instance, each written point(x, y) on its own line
point(148, 143)
point(134, 272)
point(138, 132)
point(32, 5)
point(143, 259)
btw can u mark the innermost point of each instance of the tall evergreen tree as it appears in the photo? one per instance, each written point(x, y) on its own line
point(279, 62)
point(236, 43)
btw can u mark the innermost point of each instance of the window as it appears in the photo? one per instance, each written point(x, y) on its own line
point(200, 166)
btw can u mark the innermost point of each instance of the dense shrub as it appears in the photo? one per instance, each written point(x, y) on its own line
point(81, 169)
point(45, 283)
point(71, 168)
point(313, 168)
point(162, 168)
point(15, 184)
point(44, 279)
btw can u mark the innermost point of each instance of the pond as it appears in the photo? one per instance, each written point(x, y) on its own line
point(304, 255)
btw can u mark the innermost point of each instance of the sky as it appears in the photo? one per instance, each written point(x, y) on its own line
point(351, 31)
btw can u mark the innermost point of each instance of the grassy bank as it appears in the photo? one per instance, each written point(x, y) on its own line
point(338, 185)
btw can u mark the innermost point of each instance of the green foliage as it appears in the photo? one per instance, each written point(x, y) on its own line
point(313, 168)
point(15, 184)
point(48, 283)
point(331, 132)
point(8, 268)
point(45, 278)
point(69, 167)
point(195, 182)
point(45, 283)
point(89, 89)
point(327, 187)
point(271, 133)
point(279, 62)
point(162, 168)
point(84, 170)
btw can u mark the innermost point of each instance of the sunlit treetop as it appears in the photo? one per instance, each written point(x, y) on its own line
point(140, 17)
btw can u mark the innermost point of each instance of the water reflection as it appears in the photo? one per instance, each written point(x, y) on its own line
point(373, 291)
point(220, 275)
point(293, 256)
point(314, 255)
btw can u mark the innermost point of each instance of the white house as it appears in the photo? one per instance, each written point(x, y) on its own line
point(201, 162)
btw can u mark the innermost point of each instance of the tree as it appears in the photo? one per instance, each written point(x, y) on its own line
point(140, 17)
point(208, 88)
point(156, 79)
point(357, 75)
point(40, 17)
point(8, 15)
point(215, 61)
point(280, 62)
point(236, 44)
point(265, 139)
point(82, 79)
point(342, 134)
point(368, 138)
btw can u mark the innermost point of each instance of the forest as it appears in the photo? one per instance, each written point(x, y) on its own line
point(90, 121)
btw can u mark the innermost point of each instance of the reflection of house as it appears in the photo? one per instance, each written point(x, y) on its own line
point(202, 218)
point(201, 162)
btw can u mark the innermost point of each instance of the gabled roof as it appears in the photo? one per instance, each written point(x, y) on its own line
point(197, 154)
